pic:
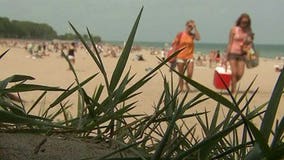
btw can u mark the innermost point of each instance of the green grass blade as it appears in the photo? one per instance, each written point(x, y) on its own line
point(92, 54)
point(37, 101)
point(7, 117)
point(18, 78)
point(231, 150)
point(279, 131)
point(134, 88)
point(214, 119)
point(169, 100)
point(86, 45)
point(194, 101)
point(243, 151)
point(210, 93)
point(121, 87)
point(98, 93)
point(166, 118)
point(89, 103)
point(72, 68)
point(179, 142)
point(3, 54)
point(64, 111)
point(14, 78)
point(213, 139)
point(66, 94)
point(203, 125)
point(61, 110)
point(125, 54)
point(159, 151)
point(227, 117)
point(277, 153)
point(145, 79)
point(14, 108)
point(259, 138)
point(31, 87)
point(98, 59)
point(246, 92)
point(269, 116)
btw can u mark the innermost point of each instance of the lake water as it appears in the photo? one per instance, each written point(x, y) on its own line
point(265, 50)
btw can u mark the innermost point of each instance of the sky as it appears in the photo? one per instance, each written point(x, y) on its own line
point(161, 19)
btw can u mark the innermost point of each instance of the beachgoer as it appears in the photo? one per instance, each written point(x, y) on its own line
point(71, 52)
point(163, 54)
point(184, 59)
point(279, 68)
point(239, 35)
point(218, 56)
point(212, 56)
point(199, 61)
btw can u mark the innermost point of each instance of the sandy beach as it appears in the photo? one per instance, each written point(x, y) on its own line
point(53, 70)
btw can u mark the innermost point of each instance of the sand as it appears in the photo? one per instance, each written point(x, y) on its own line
point(53, 70)
point(24, 146)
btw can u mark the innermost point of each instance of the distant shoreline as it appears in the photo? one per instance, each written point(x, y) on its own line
point(265, 50)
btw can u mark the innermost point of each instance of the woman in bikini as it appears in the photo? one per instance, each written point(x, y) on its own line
point(239, 35)
point(184, 59)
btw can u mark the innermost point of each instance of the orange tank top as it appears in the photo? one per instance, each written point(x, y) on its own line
point(186, 41)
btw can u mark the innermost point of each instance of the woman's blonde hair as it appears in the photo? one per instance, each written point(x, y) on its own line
point(189, 21)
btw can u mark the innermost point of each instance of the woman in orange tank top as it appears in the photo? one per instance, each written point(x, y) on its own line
point(239, 35)
point(185, 40)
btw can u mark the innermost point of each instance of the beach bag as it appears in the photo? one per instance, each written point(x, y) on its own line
point(252, 58)
point(173, 48)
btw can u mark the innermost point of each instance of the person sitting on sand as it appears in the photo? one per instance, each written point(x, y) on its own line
point(138, 57)
point(278, 68)
point(111, 51)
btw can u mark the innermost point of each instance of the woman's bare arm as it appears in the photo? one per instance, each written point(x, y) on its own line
point(196, 34)
point(231, 35)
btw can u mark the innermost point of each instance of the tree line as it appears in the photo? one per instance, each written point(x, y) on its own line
point(31, 30)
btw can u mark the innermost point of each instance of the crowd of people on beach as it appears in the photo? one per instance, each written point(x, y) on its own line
point(233, 57)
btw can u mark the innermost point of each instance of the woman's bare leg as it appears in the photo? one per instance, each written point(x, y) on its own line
point(240, 70)
point(190, 67)
point(180, 67)
point(234, 68)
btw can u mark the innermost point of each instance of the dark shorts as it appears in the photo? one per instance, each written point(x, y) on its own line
point(237, 57)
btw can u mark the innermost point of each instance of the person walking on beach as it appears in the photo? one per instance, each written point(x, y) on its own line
point(240, 34)
point(71, 52)
point(184, 60)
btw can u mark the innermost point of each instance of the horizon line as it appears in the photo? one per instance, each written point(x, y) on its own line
point(144, 41)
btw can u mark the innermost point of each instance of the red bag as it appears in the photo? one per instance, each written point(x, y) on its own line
point(174, 47)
